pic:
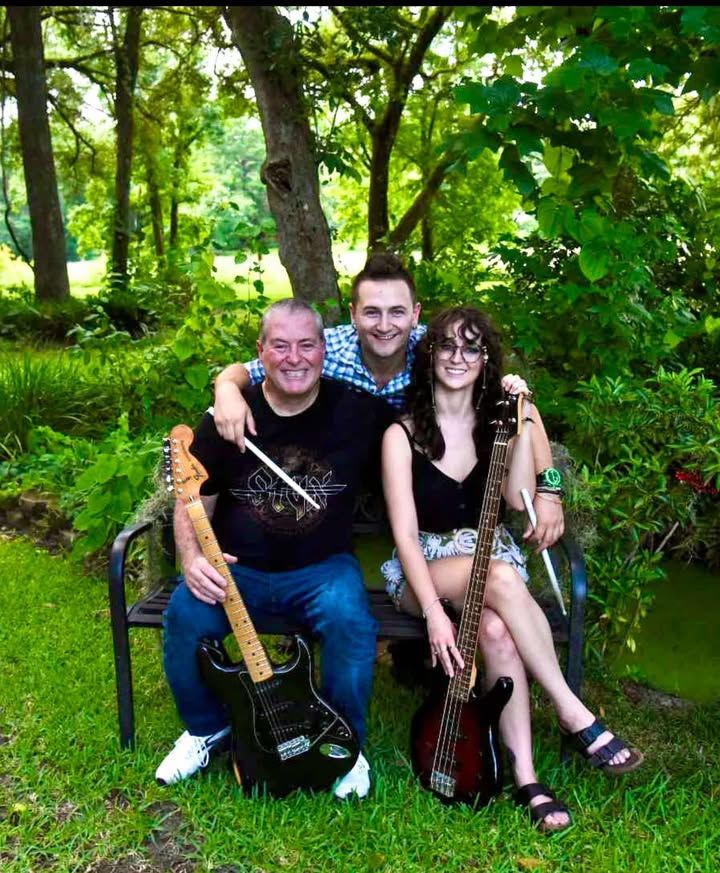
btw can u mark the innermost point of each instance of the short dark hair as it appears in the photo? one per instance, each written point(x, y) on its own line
point(383, 265)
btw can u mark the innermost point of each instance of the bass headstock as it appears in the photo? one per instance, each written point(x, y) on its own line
point(509, 414)
point(184, 474)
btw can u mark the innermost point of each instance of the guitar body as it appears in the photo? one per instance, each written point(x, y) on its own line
point(284, 735)
point(471, 772)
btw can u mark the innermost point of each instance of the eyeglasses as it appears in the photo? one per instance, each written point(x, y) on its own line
point(470, 353)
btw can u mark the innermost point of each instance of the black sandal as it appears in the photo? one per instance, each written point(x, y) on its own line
point(541, 811)
point(601, 757)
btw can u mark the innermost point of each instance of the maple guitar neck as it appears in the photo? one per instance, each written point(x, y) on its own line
point(253, 651)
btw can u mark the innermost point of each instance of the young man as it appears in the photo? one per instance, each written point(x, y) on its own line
point(285, 556)
point(375, 354)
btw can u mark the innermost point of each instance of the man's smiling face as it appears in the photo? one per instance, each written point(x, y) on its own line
point(292, 352)
point(384, 315)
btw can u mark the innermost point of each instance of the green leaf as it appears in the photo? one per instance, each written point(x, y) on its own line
point(550, 217)
point(515, 171)
point(101, 471)
point(184, 345)
point(198, 375)
point(98, 501)
point(136, 473)
point(641, 68)
point(663, 102)
point(712, 324)
point(595, 58)
point(513, 66)
point(558, 160)
point(592, 225)
point(526, 138)
point(594, 260)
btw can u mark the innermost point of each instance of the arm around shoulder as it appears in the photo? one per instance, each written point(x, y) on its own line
point(232, 414)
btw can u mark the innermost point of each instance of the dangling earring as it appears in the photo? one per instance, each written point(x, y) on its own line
point(484, 381)
point(432, 381)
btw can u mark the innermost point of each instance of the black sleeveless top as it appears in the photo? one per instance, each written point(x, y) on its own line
point(441, 502)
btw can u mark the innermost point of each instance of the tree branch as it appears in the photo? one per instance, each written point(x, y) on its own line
point(420, 205)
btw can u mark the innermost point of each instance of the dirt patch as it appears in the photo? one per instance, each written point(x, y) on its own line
point(37, 517)
point(167, 847)
point(650, 697)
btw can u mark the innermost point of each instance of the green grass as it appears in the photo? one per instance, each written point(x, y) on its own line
point(70, 800)
point(86, 276)
point(677, 646)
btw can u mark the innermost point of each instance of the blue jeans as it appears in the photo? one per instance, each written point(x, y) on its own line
point(328, 598)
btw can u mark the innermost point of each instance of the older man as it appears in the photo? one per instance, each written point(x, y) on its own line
point(284, 557)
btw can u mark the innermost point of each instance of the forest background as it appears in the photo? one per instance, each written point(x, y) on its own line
point(166, 172)
point(555, 165)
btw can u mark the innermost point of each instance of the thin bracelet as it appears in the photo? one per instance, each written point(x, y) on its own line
point(550, 497)
point(432, 603)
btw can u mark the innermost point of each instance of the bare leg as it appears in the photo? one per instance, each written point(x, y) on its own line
point(502, 659)
point(508, 596)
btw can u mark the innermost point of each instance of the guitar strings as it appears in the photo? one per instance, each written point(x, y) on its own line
point(454, 702)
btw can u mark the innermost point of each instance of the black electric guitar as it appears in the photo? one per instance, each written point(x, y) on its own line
point(284, 735)
point(455, 739)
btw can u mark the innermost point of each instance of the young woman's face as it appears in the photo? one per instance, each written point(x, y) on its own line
point(458, 360)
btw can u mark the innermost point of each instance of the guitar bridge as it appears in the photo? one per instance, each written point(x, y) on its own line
point(292, 748)
point(443, 784)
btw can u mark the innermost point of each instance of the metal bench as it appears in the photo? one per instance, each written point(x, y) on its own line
point(394, 626)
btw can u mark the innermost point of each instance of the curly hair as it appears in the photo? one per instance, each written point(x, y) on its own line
point(475, 327)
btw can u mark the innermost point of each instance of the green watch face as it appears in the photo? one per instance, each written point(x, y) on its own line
point(552, 477)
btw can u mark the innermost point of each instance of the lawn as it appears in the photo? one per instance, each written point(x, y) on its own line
point(70, 800)
point(677, 647)
point(86, 276)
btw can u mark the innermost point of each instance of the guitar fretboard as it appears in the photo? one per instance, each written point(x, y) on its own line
point(253, 651)
point(460, 685)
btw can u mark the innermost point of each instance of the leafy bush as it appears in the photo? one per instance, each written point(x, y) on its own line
point(55, 391)
point(641, 446)
point(99, 483)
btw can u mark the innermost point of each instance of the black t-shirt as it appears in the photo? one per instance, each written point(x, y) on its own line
point(329, 450)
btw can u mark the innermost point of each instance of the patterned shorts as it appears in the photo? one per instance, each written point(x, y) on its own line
point(458, 542)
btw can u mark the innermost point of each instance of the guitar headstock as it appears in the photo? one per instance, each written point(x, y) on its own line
point(184, 474)
point(509, 414)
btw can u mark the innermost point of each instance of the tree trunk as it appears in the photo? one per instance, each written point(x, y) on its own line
point(290, 173)
point(48, 235)
point(384, 134)
point(126, 61)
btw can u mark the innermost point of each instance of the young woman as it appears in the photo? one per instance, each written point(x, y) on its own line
point(435, 464)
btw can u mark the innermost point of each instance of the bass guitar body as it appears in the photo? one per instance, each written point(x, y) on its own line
point(459, 758)
point(284, 735)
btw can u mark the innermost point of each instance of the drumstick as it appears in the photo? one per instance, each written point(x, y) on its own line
point(281, 473)
point(545, 554)
point(277, 470)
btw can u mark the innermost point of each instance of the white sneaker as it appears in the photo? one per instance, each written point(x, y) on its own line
point(357, 781)
point(188, 755)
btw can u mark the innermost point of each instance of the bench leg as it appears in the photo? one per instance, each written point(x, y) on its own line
point(123, 672)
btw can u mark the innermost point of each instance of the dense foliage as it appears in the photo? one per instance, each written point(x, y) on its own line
point(556, 165)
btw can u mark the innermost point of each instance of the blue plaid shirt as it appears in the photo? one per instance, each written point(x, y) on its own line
point(343, 361)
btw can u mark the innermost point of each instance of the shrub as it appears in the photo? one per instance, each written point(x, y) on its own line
point(54, 391)
point(641, 445)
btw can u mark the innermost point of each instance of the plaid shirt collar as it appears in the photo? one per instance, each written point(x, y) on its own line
point(343, 361)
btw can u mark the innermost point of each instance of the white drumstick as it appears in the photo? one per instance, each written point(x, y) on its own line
point(281, 473)
point(545, 554)
point(277, 470)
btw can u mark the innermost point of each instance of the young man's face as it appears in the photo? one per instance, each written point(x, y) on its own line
point(292, 353)
point(384, 315)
